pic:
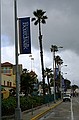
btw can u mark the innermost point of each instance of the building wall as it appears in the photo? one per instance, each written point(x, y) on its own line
point(8, 82)
point(8, 77)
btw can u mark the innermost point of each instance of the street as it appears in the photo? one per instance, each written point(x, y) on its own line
point(65, 111)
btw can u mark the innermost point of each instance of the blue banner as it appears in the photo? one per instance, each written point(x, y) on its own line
point(56, 73)
point(24, 35)
point(63, 84)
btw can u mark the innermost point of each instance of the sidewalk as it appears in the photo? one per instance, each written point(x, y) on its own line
point(36, 113)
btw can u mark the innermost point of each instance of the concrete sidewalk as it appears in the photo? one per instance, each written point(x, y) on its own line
point(40, 112)
point(36, 113)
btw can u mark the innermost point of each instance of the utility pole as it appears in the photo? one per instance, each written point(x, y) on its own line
point(18, 114)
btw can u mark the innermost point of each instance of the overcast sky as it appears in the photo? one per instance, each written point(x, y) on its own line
point(61, 29)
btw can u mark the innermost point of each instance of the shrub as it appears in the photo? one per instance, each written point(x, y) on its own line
point(8, 106)
point(23, 103)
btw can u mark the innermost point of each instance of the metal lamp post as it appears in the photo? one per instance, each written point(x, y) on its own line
point(63, 84)
point(32, 63)
point(32, 59)
point(18, 114)
point(61, 74)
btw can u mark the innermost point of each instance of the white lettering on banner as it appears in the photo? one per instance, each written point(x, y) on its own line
point(25, 35)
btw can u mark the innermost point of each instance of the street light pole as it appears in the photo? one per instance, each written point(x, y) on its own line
point(18, 114)
point(63, 83)
point(32, 59)
point(32, 62)
point(60, 80)
point(61, 75)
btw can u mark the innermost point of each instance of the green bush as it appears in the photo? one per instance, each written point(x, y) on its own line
point(38, 100)
point(8, 106)
point(23, 103)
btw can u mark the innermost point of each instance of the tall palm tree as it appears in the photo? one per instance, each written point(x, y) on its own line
point(38, 19)
point(59, 62)
point(54, 49)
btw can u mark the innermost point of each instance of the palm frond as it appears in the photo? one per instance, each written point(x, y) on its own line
point(40, 12)
point(33, 19)
point(45, 17)
point(43, 21)
point(35, 13)
point(36, 22)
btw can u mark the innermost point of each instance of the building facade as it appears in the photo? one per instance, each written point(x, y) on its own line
point(8, 77)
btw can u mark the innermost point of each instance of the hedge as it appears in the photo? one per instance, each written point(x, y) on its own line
point(9, 104)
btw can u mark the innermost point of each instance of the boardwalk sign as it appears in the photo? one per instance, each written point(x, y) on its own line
point(24, 35)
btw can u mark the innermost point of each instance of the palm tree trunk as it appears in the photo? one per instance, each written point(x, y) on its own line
point(49, 85)
point(41, 55)
point(54, 76)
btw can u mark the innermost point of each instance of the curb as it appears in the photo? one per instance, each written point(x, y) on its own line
point(44, 112)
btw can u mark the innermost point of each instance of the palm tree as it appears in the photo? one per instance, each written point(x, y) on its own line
point(59, 62)
point(54, 49)
point(28, 79)
point(48, 74)
point(40, 18)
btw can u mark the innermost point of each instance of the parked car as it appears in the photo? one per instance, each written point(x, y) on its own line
point(66, 97)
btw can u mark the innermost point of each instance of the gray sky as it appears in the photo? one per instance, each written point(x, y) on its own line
point(61, 29)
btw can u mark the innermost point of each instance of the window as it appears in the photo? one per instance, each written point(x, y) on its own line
point(10, 84)
point(6, 70)
point(7, 83)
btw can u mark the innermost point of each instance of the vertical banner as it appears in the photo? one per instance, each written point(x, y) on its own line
point(63, 85)
point(24, 35)
point(56, 73)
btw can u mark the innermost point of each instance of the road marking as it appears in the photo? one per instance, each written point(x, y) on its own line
point(77, 101)
point(38, 116)
point(72, 117)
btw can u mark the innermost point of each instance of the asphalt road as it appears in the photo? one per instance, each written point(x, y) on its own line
point(65, 111)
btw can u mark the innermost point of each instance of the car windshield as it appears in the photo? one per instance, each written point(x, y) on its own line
point(66, 95)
